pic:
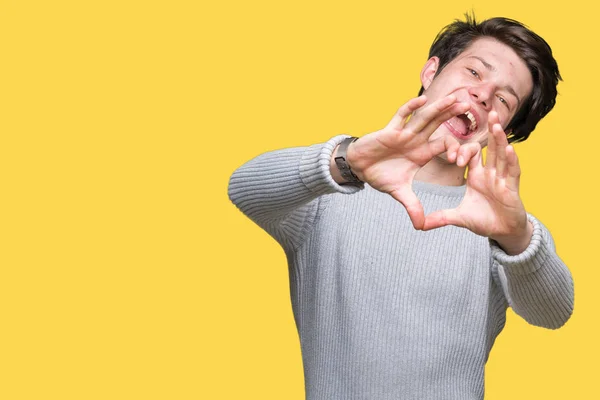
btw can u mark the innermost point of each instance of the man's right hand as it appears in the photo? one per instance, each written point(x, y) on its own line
point(388, 159)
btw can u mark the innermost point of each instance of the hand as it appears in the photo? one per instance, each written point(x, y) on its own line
point(388, 159)
point(491, 206)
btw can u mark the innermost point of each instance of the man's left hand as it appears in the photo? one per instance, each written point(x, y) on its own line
point(491, 206)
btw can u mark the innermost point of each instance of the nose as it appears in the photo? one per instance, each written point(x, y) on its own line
point(483, 95)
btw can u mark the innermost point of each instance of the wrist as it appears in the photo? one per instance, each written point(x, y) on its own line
point(339, 166)
point(516, 244)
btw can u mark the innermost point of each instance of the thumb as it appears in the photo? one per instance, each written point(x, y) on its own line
point(440, 218)
point(413, 206)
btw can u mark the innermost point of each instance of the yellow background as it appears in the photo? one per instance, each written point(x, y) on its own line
point(126, 273)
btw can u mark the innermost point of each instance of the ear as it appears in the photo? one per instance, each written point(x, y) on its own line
point(428, 71)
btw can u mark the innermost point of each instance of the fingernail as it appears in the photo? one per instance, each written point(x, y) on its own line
point(460, 160)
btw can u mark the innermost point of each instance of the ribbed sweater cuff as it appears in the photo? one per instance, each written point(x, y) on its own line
point(314, 169)
point(531, 259)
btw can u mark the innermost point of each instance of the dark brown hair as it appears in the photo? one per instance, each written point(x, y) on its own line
point(537, 54)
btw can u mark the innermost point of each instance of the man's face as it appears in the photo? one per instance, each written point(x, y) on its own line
point(489, 76)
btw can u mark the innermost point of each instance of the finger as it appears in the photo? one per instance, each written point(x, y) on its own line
point(514, 169)
point(440, 111)
point(476, 161)
point(501, 144)
point(491, 151)
point(452, 111)
point(440, 218)
point(405, 111)
point(466, 153)
point(413, 206)
point(445, 144)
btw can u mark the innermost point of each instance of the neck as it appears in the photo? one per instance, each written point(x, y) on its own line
point(441, 172)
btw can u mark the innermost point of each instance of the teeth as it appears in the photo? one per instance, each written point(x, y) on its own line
point(472, 119)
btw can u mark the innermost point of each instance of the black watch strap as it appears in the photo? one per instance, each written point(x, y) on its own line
point(342, 164)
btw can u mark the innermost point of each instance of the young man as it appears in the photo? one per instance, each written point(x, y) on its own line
point(401, 269)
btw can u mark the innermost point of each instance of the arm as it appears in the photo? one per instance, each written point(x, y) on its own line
point(276, 189)
point(536, 283)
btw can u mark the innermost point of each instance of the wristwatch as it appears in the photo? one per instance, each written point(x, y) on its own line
point(343, 167)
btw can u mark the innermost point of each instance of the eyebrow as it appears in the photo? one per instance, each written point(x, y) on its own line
point(508, 88)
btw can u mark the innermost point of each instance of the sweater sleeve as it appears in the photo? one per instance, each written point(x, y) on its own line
point(282, 191)
point(536, 283)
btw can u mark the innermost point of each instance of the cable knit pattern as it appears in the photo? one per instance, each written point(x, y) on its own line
point(384, 311)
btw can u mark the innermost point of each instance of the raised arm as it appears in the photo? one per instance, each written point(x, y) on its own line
point(536, 283)
point(279, 190)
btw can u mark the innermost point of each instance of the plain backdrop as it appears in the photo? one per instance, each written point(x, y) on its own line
point(126, 273)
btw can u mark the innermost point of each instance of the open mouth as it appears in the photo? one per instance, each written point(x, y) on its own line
point(464, 124)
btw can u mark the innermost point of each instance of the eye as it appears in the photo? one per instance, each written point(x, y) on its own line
point(503, 101)
point(473, 72)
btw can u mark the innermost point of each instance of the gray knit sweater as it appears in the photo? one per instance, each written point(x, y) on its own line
point(385, 311)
